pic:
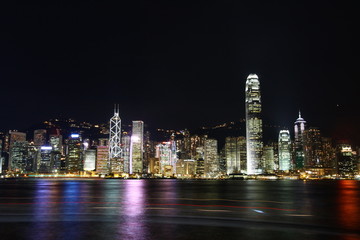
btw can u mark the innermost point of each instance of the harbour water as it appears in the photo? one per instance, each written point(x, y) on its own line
point(179, 209)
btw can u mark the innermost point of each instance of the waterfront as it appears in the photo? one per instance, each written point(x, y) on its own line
point(179, 209)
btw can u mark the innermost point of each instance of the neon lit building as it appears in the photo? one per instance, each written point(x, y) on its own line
point(254, 142)
point(137, 147)
point(284, 150)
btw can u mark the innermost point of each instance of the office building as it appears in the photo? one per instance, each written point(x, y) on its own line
point(137, 147)
point(284, 150)
point(254, 136)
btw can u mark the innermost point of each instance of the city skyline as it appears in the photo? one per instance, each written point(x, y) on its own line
point(189, 60)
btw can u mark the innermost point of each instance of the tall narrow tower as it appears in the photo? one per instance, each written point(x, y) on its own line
point(136, 148)
point(114, 138)
point(284, 150)
point(299, 129)
point(254, 143)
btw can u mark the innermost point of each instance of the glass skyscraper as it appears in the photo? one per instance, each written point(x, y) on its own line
point(284, 150)
point(254, 142)
point(137, 147)
point(299, 129)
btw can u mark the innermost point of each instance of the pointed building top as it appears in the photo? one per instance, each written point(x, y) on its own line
point(299, 114)
point(252, 75)
point(116, 109)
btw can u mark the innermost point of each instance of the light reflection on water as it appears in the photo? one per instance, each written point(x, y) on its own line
point(138, 209)
point(348, 204)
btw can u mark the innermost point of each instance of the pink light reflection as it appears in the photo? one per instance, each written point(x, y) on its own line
point(134, 197)
point(133, 226)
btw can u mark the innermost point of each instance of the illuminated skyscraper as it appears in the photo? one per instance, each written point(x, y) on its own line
point(137, 147)
point(89, 159)
point(299, 129)
point(269, 157)
point(45, 162)
point(102, 156)
point(313, 148)
point(125, 143)
point(284, 150)
point(18, 155)
point(164, 154)
point(235, 154)
point(115, 141)
point(254, 143)
point(211, 158)
point(346, 160)
point(14, 161)
point(74, 154)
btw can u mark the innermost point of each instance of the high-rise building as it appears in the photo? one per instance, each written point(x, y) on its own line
point(39, 137)
point(284, 150)
point(299, 128)
point(235, 154)
point(254, 140)
point(167, 160)
point(102, 156)
point(74, 153)
point(137, 147)
point(346, 160)
point(18, 156)
point(313, 148)
point(45, 159)
point(125, 143)
point(269, 157)
point(115, 159)
point(89, 160)
point(211, 158)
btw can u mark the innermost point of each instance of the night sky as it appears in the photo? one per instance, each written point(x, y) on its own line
point(180, 64)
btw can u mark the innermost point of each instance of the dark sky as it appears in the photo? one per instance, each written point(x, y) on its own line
point(177, 64)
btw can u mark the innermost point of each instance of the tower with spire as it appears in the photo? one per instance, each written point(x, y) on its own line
point(299, 128)
point(115, 141)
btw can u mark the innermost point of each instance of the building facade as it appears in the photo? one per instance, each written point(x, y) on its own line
point(254, 141)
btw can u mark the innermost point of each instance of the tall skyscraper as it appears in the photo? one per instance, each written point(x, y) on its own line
point(299, 129)
point(137, 147)
point(74, 153)
point(115, 141)
point(284, 150)
point(313, 148)
point(125, 143)
point(211, 158)
point(164, 154)
point(18, 156)
point(102, 156)
point(346, 160)
point(45, 161)
point(235, 154)
point(14, 160)
point(254, 142)
point(269, 157)
point(89, 159)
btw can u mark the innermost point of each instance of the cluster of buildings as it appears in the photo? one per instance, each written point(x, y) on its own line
point(132, 153)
